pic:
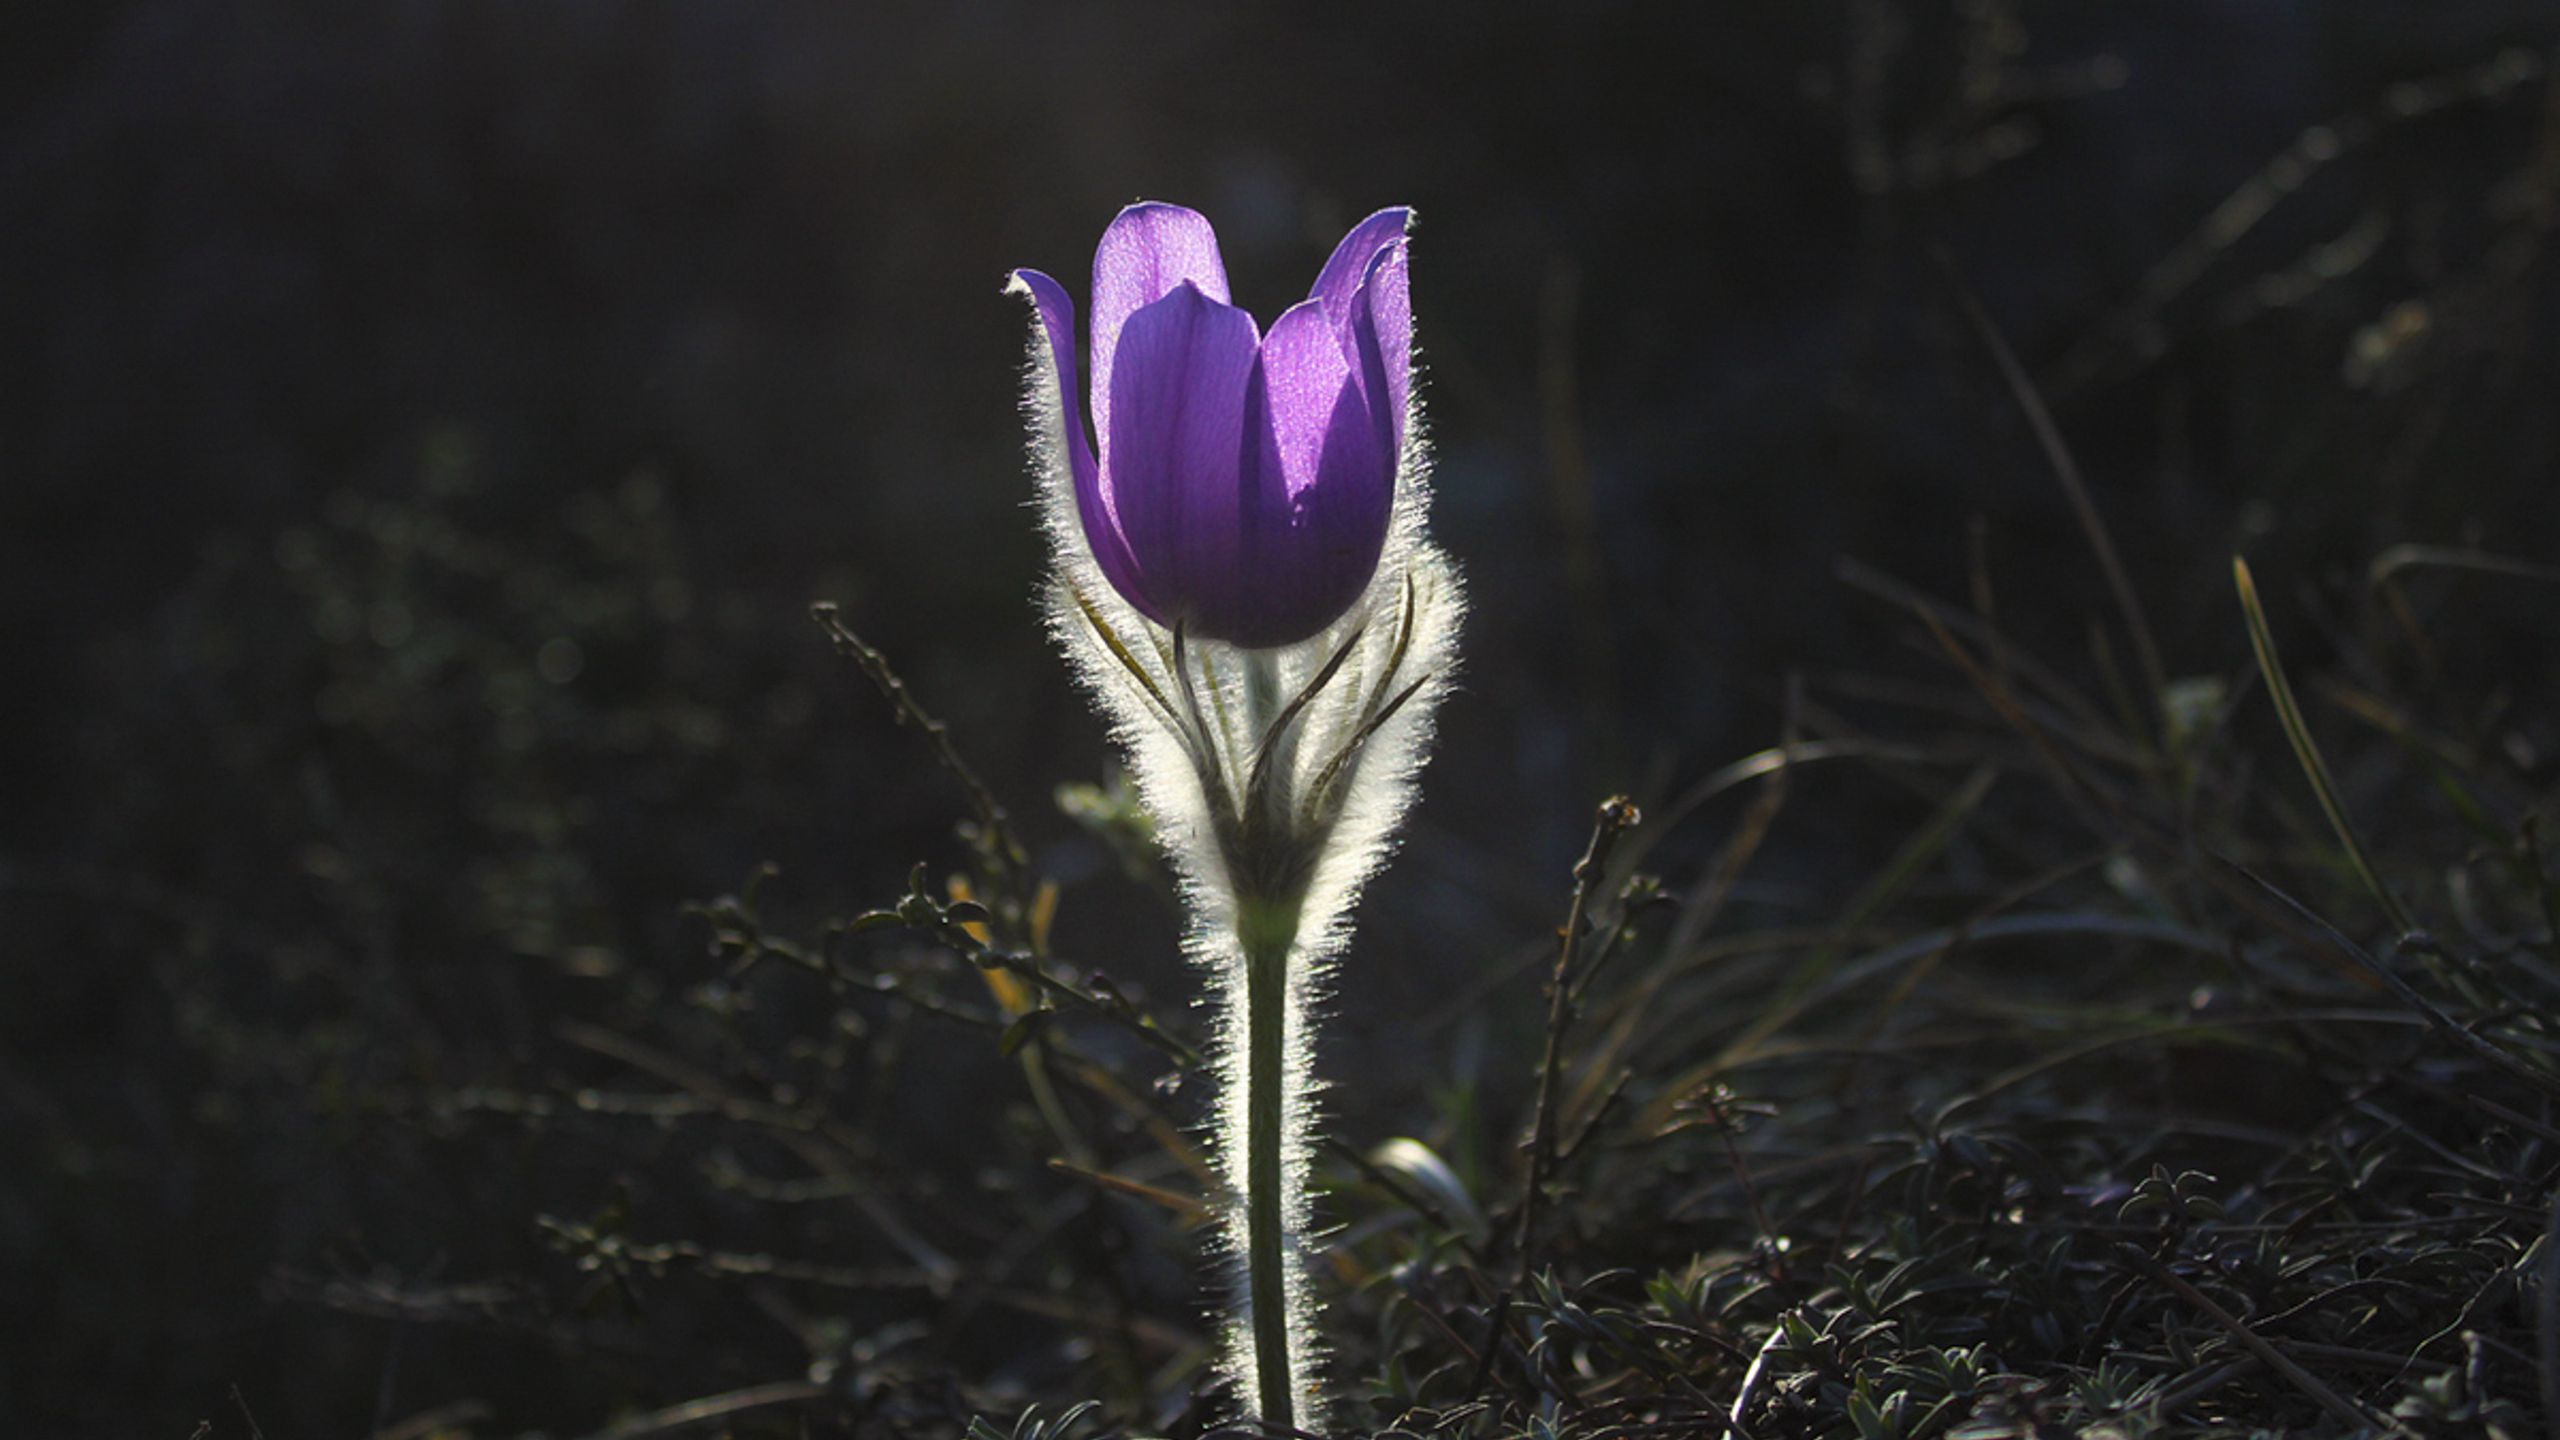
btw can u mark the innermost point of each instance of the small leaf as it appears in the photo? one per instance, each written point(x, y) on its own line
point(1421, 1166)
point(1024, 1029)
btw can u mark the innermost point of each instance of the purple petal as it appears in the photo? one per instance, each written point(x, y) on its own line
point(1318, 493)
point(1057, 314)
point(1382, 339)
point(1342, 274)
point(1305, 382)
point(1148, 251)
point(1172, 459)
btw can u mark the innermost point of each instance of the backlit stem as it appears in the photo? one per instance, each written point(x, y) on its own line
point(1266, 931)
point(1267, 938)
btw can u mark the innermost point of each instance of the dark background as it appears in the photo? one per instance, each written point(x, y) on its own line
point(424, 426)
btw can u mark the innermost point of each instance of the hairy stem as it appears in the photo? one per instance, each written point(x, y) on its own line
point(1266, 1170)
point(1267, 916)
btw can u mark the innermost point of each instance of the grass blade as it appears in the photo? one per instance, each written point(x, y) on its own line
point(2298, 734)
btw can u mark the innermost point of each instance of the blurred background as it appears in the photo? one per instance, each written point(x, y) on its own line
point(425, 426)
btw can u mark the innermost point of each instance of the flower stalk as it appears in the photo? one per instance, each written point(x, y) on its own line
point(1270, 1183)
point(1242, 580)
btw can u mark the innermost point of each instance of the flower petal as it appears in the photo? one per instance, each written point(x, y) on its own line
point(1148, 250)
point(1318, 491)
point(1063, 408)
point(1342, 274)
point(1174, 455)
point(1303, 385)
point(1382, 338)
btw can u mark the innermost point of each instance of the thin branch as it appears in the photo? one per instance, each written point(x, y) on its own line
point(1617, 814)
point(2355, 1416)
point(995, 829)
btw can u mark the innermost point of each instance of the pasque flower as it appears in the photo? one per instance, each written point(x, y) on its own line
point(1240, 577)
point(1236, 482)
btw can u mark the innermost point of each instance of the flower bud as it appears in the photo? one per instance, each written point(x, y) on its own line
point(1244, 482)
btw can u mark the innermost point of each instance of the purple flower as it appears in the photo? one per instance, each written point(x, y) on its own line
point(1245, 481)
